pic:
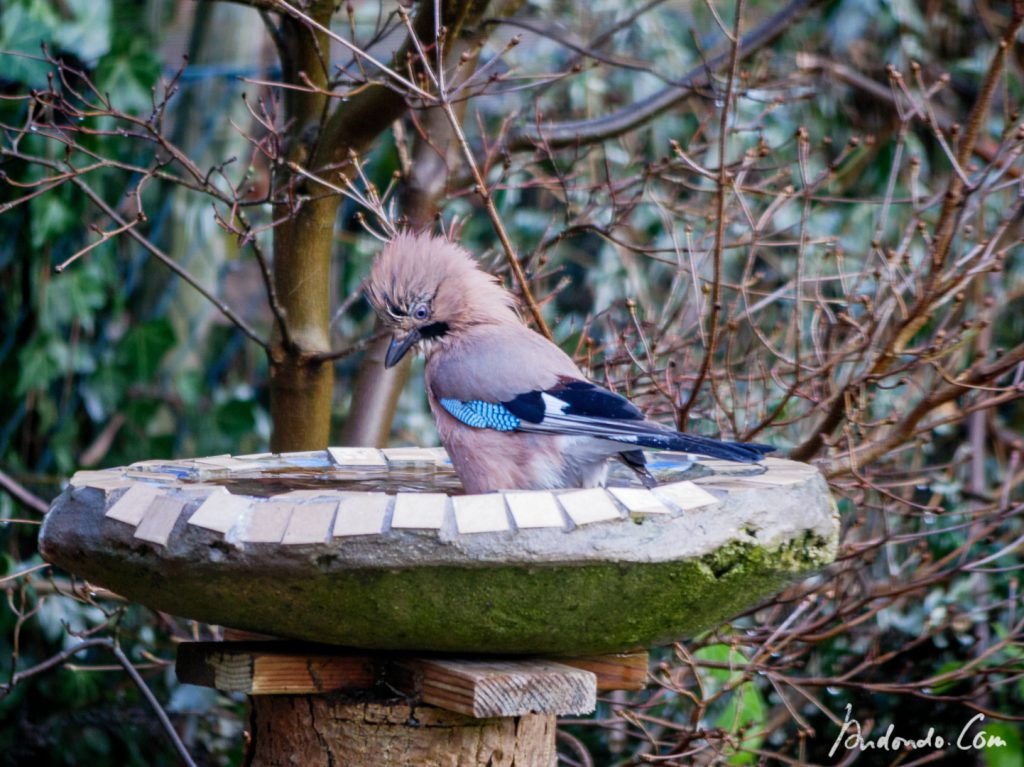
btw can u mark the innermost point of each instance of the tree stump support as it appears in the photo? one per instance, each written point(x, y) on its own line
point(322, 706)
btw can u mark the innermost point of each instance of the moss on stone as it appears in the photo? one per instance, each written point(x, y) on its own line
point(588, 608)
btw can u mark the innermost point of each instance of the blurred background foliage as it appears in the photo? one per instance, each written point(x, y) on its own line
point(114, 360)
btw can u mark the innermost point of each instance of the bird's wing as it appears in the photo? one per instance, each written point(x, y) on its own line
point(496, 364)
point(580, 408)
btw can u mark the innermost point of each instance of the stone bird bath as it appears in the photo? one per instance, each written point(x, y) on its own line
point(378, 550)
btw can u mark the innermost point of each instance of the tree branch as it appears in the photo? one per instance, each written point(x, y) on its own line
point(578, 132)
point(722, 182)
point(126, 664)
point(23, 496)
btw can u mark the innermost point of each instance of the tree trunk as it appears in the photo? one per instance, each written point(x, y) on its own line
point(320, 139)
point(314, 731)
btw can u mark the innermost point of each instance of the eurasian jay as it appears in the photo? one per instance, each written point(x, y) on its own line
point(512, 409)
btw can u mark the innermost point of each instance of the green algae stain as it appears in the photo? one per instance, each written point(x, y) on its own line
point(590, 608)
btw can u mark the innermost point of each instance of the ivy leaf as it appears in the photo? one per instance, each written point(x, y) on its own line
point(143, 347)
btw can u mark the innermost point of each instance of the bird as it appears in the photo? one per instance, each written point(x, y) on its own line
point(512, 409)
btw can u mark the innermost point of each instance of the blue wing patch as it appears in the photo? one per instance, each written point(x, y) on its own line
point(481, 415)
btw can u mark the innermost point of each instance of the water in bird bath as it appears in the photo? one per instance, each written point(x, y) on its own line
point(274, 475)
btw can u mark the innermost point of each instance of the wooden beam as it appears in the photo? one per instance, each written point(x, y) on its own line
point(616, 671)
point(485, 689)
point(260, 668)
point(478, 687)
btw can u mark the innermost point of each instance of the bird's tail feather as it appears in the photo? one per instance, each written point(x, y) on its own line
point(744, 452)
point(646, 434)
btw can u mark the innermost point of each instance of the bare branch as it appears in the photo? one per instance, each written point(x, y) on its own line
point(590, 131)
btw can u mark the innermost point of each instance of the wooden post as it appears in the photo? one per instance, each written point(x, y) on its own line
point(316, 731)
point(318, 706)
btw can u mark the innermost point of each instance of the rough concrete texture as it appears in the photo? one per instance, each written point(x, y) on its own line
point(603, 587)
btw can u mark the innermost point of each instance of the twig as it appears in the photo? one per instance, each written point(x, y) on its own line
point(23, 496)
point(126, 664)
point(723, 185)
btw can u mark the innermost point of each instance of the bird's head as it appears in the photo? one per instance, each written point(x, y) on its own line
point(427, 289)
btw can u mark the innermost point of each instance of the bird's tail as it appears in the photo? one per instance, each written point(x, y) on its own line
point(743, 452)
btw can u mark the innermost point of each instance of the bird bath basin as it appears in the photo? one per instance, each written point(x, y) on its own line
point(378, 549)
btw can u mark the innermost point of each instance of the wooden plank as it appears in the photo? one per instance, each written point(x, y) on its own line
point(361, 514)
point(358, 457)
point(504, 688)
point(585, 507)
point(265, 668)
point(685, 495)
point(535, 509)
point(267, 522)
point(480, 513)
point(131, 507)
point(616, 671)
point(639, 500)
point(220, 511)
point(423, 511)
point(159, 521)
point(310, 523)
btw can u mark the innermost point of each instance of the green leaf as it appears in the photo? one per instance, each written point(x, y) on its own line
point(87, 32)
point(53, 216)
point(1009, 755)
point(36, 365)
point(129, 75)
point(74, 295)
point(143, 347)
point(24, 26)
point(236, 418)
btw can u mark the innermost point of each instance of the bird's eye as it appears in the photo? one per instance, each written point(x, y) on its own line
point(420, 312)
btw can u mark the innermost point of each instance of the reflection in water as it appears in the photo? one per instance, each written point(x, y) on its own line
point(276, 475)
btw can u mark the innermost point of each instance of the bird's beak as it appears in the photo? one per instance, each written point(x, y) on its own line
point(399, 347)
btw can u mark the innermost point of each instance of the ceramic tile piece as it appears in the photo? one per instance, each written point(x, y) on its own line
point(132, 506)
point(267, 522)
point(535, 509)
point(419, 510)
point(220, 511)
point(778, 478)
point(154, 476)
point(480, 513)
point(409, 456)
point(108, 486)
point(301, 495)
point(440, 456)
point(587, 506)
point(726, 484)
point(361, 457)
point(684, 495)
point(159, 521)
point(310, 523)
point(225, 462)
point(96, 478)
point(361, 514)
point(639, 500)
